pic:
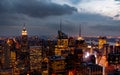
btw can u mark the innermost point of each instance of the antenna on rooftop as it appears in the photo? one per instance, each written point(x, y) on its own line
point(80, 30)
point(24, 26)
point(60, 25)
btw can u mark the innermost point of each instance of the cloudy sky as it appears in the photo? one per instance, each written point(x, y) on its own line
point(43, 17)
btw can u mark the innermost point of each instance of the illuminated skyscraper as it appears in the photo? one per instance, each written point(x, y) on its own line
point(101, 42)
point(11, 47)
point(24, 54)
point(24, 40)
point(62, 43)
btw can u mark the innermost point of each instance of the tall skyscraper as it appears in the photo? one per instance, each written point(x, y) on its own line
point(62, 43)
point(24, 54)
point(24, 41)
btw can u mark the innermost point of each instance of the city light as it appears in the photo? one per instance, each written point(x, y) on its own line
point(90, 44)
point(87, 54)
point(80, 38)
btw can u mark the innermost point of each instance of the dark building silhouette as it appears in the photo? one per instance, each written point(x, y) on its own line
point(92, 59)
point(70, 64)
point(91, 69)
point(78, 57)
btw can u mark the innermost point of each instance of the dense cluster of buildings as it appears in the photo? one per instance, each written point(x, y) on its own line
point(65, 56)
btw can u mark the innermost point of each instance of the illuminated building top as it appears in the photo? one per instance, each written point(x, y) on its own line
point(24, 31)
point(117, 43)
point(80, 38)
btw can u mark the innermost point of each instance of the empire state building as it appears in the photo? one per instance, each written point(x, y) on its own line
point(24, 41)
point(24, 54)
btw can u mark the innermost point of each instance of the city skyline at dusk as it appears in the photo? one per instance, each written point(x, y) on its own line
point(59, 37)
point(43, 17)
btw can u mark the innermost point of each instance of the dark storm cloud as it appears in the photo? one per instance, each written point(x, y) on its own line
point(12, 19)
point(43, 17)
point(35, 8)
point(75, 1)
point(88, 17)
point(117, 0)
point(112, 28)
point(64, 26)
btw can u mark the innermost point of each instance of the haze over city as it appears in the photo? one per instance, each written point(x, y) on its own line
point(42, 17)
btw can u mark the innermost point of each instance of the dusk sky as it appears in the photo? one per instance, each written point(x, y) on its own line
point(42, 17)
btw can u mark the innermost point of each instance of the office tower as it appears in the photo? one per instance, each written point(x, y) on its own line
point(24, 53)
point(62, 43)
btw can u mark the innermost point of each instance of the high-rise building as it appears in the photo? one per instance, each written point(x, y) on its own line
point(106, 49)
point(11, 47)
point(9, 53)
point(24, 53)
point(101, 42)
point(117, 47)
point(62, 43)
point(35, 57)
point(24, 41)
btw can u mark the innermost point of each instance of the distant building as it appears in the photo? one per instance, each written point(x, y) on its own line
point(117, 49)
point(101, 42)
point(106, 48)
point(113, 58)
point(2, 42)
point(80, 43)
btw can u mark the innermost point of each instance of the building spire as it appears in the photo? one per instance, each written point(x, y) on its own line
point(24, 31)
point(60, 25)
point(80, 35)
point(24, 28)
